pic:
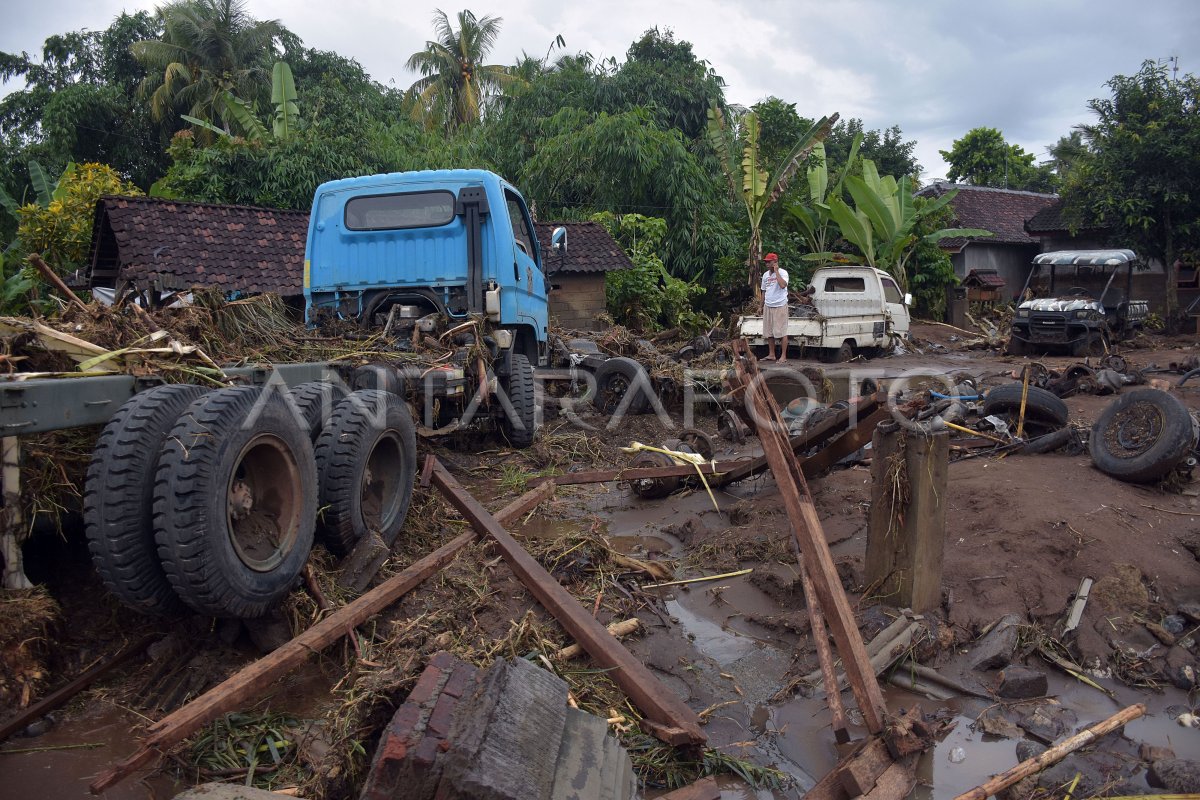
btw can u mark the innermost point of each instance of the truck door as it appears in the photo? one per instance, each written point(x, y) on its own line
point(528, 288)
point(893, 301)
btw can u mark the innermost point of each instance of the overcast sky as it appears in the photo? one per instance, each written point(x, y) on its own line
point(936, 68)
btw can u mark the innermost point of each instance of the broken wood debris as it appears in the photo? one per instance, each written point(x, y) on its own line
point(667, 716)
point(623, 628)
point(1055, 754)
point(837, 712)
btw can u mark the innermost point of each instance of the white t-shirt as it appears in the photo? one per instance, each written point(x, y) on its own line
point(774, 294)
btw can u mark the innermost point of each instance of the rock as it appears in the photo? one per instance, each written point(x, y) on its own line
point(1180, 668)
point(225, 791)
point(1046, 723)
point(1191, 611)
point(1151, 753)
point(1058, 777)
point(1122, 591)
point(1020, 683)
point(1174, 624)
point(995, 650)
point(38, 727)
point(1027, 750)
point(996, 724)
point(1176, 775)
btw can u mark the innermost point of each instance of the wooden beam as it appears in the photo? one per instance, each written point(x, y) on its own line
point(1055, 754)
point(833, 697)
point(64, 693)
point(526, 503)
point(668, 714)
point(249, 684)
point(703, 789)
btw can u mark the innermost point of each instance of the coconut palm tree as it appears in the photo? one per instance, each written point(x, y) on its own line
point(456, 85)
point(208, 48)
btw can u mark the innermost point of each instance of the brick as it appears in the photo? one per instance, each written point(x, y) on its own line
point(444, 661)
point(461, 681)
point(442, 717)
point(426, 751)
point(427, 686)
point(404, 721)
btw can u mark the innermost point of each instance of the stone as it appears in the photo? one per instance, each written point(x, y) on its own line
point(1123, 591)
point(225, 791)
point(1180, 668)
point(1151, 753)
point(996, 724)
point(1045, 723)
point(1191, 611)
point(1176, 775)
point(1057, 778)
point(1174, 624)
point(1020, 683)
point(1027, 750)
point(995, 650)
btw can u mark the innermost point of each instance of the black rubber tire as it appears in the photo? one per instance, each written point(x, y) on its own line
point(1048, 443)
point(244, 440)
point(118, 498)
point(653, 488)
point(315, 402)
point(615, 378)
point(1040, 405)
point(1016, 347)
point(839, 356)
point(520, 390)
point(369, 446)
point(1172, 436)
point(380, 376)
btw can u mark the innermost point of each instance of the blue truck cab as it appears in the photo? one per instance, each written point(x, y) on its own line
point(404, 246)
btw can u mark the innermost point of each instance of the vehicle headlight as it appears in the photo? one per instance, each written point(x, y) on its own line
point(1082, 313)
point(1022, 312)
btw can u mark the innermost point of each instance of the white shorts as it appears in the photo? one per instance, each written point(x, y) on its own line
point(775, 322)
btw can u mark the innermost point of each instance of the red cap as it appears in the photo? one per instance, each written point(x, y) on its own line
point(770, 257)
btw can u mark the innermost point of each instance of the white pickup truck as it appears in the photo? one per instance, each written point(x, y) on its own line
point(853, 310)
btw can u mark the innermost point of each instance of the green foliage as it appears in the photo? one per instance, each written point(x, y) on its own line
point(1139, 173)
point(647, 297)
point(812, 216)
point(983, 158)
point(931, 272)
point(15, 285)
point(664, 76)
point(891, 154)
point(62, 229)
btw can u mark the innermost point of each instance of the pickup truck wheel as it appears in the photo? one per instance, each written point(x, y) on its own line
point(519, 421)
point(1041, 407)
point(118, 498)
point(1142, 435)
point(315, 402)
point(653, 488)
point(235, 502)
point(615, 379)
point(1016, 347)
point(841, 355)
point(366, 463)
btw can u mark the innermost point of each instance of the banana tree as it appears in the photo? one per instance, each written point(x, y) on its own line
point(882, 221)
point(242, 120)
point(812, 217)
point(749, 179)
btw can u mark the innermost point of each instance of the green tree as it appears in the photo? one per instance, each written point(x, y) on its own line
point(747, 173)
point(983, 158)
point(1066, 154)
point(887, 148)
point(647, 297)
point(457, 85)
point(1140, 172)
point(811, 215)
point(209, 49)
point(665, 77)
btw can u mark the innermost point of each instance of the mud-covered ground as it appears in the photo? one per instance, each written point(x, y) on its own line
point(1021, 532)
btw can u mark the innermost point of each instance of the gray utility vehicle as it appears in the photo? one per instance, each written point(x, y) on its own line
point(1087, 315)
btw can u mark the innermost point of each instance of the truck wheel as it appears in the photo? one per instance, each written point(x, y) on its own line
point(1016, 347)
point(524, 404)
point(841, 355)
point(1142, 435)
point(1041, 406)
point(366, 463)
point(235, 502)
point(118, 498)
point(616, 378)
point(653, 488)
point(699, 441)
point(315, 402)
point(1049, 442)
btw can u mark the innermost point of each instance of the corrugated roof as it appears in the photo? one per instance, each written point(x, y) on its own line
point(590, 248)
point(1001, 211)
point(172, 244)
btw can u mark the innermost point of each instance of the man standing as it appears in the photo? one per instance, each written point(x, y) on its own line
point(775, 307)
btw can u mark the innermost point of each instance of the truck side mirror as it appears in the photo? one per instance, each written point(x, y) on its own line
point(558, 241)
point(907, 299)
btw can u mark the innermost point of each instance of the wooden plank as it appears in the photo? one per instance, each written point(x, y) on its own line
point(703, 789)
point(885, 518)
point(1054, 754)
point(657, 702)
point(833, 698)
point(810, 537)
point(859, 775)
point(526, 503)
point(894, 784)
point(64, 693)
point(249, 683)
point(924, 537)
point(846, 444)
point(626, 474)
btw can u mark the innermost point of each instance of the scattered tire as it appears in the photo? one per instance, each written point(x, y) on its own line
point(1049, 442)
point(1041, 406)
point(1142, 436)
point(315, 402)
point(616, 378)
point(235, 502)
point(118, 498)
point(366, 462)
point(519, 422)
point(653, 488)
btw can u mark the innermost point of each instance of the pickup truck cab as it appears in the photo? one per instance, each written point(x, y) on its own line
point(1086, 315)
point(853, 310)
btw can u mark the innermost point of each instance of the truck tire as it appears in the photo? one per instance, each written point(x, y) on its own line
point(315, 402)
point(235, 502)
point(1049, 442)
point(366, 464)
point(1142, 436)
point(841, 355)
point(118, 498)
point(520, 389)
point(1040, 405)
point(615, 379)
point(1016, 347)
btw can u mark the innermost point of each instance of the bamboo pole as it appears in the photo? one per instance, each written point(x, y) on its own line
point(1055, 754)
point(701, 579)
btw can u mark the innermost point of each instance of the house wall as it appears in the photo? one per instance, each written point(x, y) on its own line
point(576, 299)
point(1011, 262)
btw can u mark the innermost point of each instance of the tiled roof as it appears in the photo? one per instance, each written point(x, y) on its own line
point(1001, 211)
point(590, 248)
point(1054, 219)
point(171, 244)
point(984, 277)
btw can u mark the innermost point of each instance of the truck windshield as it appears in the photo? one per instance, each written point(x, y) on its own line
point(891, 292)
point(520, 231)
point(407, 210)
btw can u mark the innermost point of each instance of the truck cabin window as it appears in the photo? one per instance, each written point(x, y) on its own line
point(520, 231)
point(845, 284)
point(393, 211)
point(891, 292)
